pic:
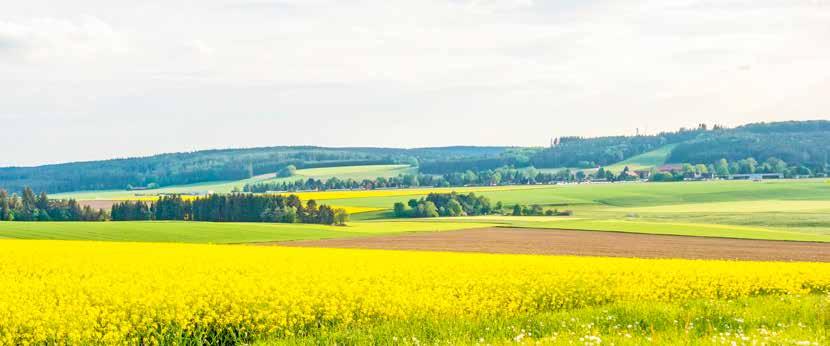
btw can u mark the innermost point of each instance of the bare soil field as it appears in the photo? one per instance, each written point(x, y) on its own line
point(98, 204)
point(585, 243)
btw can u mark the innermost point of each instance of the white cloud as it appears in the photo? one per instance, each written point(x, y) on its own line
point(445, 71)
point(50, 39)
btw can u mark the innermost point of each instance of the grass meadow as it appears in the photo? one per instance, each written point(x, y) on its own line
point(209, 232)
point(797, 210)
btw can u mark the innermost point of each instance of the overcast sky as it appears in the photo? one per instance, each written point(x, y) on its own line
point(93, 79)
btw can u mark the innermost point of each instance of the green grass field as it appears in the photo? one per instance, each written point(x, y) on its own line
point(208, 232)
point(650, 159)
point(776, 210)
point(782, 210)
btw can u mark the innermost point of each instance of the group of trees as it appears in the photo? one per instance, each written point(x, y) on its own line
point(456, 204)
point(537, 210)
point(31, 207)
point(236, 207)
point(446, 204)
point(491, 177)
point(723, 168)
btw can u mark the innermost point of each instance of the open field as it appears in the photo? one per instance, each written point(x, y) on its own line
point(217, 294)
point(209, 232)
point(585, 243)
point(796, 210)
point(647, 160)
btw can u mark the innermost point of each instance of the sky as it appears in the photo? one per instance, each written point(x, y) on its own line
point(97, 79)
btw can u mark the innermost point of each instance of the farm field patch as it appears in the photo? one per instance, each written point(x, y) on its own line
point(210, 232)
point(646, 160)
point(585, 243)
point(224, 294)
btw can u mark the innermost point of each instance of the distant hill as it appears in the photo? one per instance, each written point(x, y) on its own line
point(215, 165)
point(801, 143)
point(798, 143)
point(804, 143)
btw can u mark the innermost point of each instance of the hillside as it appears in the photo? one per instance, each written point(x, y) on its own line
point(216, 165)
point(649, 159)
point(799, 143)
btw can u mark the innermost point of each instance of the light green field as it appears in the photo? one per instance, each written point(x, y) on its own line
point(346, 172)
point(209, 232)
point(354, 172)
point(783, 210)
point(647, 160)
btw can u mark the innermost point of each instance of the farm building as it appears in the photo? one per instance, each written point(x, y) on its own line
point(756, 176)
point(670, 168)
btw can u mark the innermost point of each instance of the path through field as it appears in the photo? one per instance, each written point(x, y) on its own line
point(585, 243)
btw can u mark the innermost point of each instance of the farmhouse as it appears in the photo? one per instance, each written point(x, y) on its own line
point(670, 168)
point(756, 176)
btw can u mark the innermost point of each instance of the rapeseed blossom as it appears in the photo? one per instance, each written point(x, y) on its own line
point(105, 293)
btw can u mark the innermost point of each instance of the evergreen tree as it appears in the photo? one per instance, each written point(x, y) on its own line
point(5, 209)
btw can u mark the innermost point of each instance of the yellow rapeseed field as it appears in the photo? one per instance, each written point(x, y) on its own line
point(105, 293)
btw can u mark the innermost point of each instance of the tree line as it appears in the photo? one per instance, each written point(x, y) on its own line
point(499, 176)
point(724, 168)
point(30, 207)
point(235, 207)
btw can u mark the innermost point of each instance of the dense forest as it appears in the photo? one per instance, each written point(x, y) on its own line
point(603, 151)
point(803, 143)
point(31, 207)
point(213, 165)
point(799, 143)
point(235, 207)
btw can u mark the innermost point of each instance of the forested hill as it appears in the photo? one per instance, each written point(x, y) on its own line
point(215, 165)
point(803, 143)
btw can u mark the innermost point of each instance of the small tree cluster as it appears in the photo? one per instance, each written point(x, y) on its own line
point(537, 210)
point(446, 204)
point(29, 207)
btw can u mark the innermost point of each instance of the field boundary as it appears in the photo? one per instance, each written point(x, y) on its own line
point(558, 242)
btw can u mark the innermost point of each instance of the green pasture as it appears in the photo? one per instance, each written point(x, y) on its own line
point(208, 232)
point(777, 209)
point(650, 159)
point(774, 210)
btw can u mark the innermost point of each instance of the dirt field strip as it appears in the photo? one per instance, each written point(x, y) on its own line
point(105, 204)
point(585, 243)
